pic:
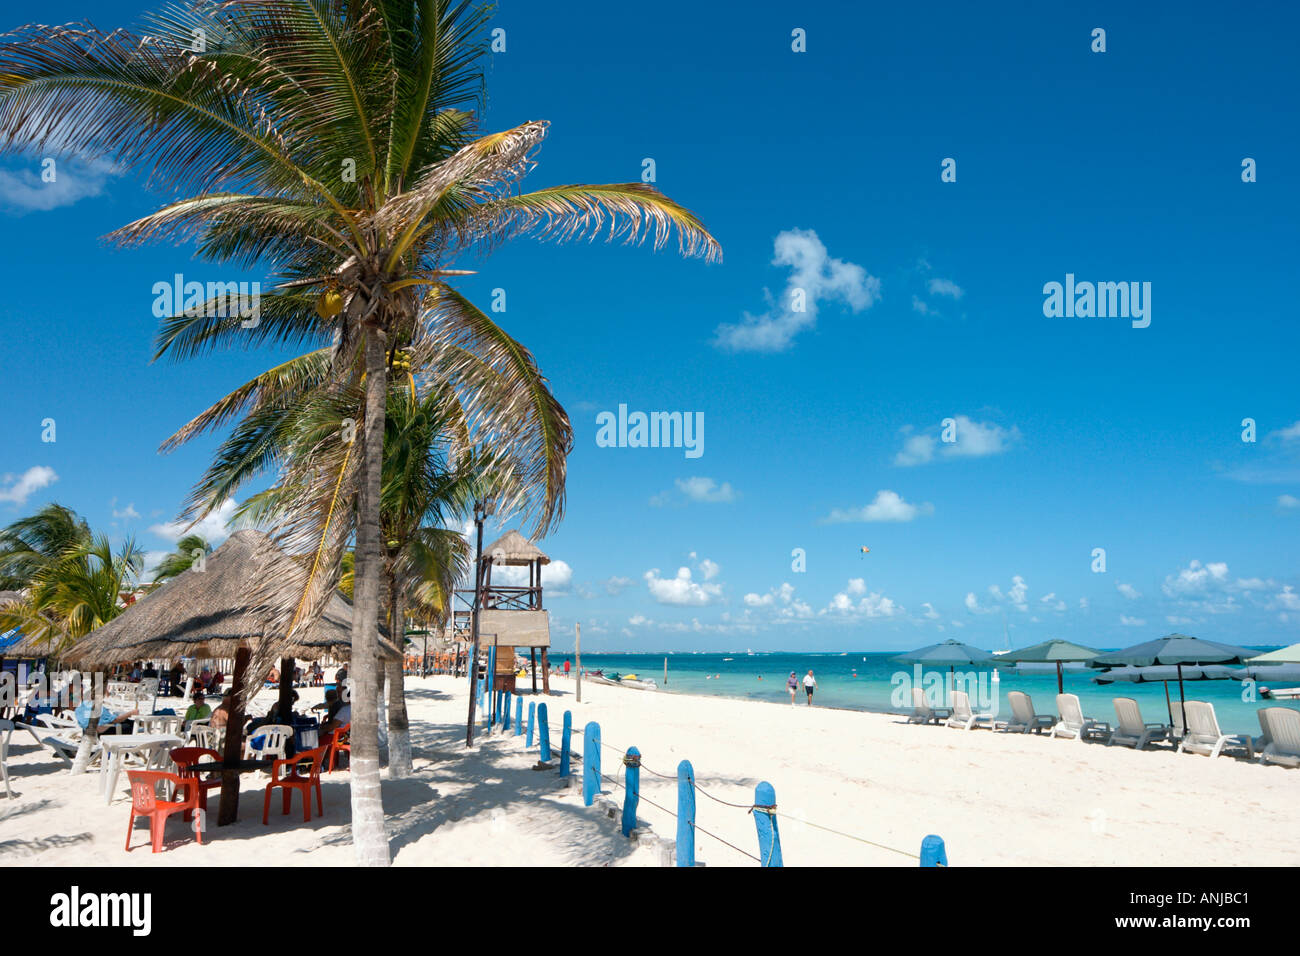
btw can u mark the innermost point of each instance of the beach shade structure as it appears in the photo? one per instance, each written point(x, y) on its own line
point(949, 653)
point(1283, 655)
point(1185, 654)
point(1051, 652)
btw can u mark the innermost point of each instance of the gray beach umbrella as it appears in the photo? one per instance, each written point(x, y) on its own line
point(1178, 650)
point(949, 652)
point(1056, 652)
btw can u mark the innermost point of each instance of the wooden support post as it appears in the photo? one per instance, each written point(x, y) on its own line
point(532, 709)
point(546, 674)
point(519, 715)
point(532, 656)
point(233, 750)
point(286, 688)
point(590, 762)
point(769, 837)
point(543, 734)
point(933, 852)
point(631, 788)
point(685, 814)
point(565, 736)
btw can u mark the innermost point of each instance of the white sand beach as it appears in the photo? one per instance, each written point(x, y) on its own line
point(996, 799)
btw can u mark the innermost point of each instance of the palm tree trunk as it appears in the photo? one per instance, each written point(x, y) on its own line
point(368, 836)
point(89, 737)
point(399, 728)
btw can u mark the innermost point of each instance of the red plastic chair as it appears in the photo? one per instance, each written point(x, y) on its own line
point(296, 781)
point(340, 739)
point(145, 803)
point(186, 757)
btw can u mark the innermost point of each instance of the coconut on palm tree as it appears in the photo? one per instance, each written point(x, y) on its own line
point(336, 141)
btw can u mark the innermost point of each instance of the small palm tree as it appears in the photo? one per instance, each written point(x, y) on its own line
point(190, 550)
point(32, 543)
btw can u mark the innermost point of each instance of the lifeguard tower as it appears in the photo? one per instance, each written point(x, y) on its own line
point(512, 616)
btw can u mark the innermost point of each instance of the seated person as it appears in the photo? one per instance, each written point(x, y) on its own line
point(150, 671)
point(331, 703)
point(178, 680)
point(205, 678)
point(198, 710)
point(273, 716)
point(223, 712)
point(217, 680)
point(108, 721)
point(338, 716)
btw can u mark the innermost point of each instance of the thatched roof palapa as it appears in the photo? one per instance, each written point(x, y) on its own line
point(514, 550)
point(213, 612)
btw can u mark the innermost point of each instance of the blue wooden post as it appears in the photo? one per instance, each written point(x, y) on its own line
point(505, 715)
point(565, 736)
point(631, 789)
point(590, 762)
point(543, 733)
point(769, 837)
point(685, 814)
point(532, 710)
point(933, 852)
point(519, 715)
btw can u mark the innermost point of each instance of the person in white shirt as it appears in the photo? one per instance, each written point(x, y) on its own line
point(809, 685)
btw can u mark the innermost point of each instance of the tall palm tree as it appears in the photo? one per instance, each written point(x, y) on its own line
point(336, 141)
point(184, 558)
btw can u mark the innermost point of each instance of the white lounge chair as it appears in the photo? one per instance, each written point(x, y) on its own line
point(1023, 718)
point(1282, 728)
point(65, 750)
point(923, 713)
point(965, 718)
point(1074, 724)
point(6, 731)
point(1132, 730)
point(1205, 737)
point(275, 740)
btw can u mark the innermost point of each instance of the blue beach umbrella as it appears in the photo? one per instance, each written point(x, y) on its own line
point(1056, 652)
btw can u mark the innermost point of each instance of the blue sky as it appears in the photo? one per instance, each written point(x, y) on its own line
point(819, 172)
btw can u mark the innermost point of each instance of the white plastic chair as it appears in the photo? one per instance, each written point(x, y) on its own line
point(1283, 725)
point(276, 738)
point(1204, 735)
point(1073, 723)
point(1133, 731)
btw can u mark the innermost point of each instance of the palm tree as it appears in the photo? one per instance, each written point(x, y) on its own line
point(335, 140)
point(189, 550)
point(32, 543)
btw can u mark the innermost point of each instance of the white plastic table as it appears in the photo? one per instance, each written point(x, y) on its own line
point(152, 747)
point(158, 723)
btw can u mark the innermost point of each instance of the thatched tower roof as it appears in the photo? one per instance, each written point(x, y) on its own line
point(512, 548)
point(210, 613)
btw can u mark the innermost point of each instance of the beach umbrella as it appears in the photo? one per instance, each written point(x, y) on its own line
point(949, 652)
point(1178, 650)
point(1283, 655)
point(1056, 652)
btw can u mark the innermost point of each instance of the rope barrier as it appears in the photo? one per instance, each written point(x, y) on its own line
point(747, 807)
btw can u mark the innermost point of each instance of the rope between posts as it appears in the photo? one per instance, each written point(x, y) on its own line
point(747, 807)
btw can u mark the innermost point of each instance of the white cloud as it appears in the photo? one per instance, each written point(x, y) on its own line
point(709, 569)
point(815, 277)
point(127, 514)
point(1127, 621)
point(1288, 501)
point(946, 287)
point(705, 489)
point(213, 529)
point(871, 605)
point(1288, 599)
point(919, 305)
point(1016, 595)
point(887, 506)
point(1053, 602)
point(1290, 433)
point(971, 439)
point(930, 612)
point(16, 489)
point(1129, 591)
point(556, 576)
point(1196, 578)
point(682, 589)
point(25, 191)
point(617, 584)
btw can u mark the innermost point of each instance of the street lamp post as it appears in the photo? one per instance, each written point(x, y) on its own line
point(482, 509)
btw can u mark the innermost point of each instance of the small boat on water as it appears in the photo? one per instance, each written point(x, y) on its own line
point(1281, 693)
point(623, 680)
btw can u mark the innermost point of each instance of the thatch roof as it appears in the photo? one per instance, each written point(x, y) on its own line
point(211, 613)
point(512, 548)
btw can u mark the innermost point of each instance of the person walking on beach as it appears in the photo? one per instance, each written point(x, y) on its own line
point(809, 685)
point(792, 685)
point(566, 668)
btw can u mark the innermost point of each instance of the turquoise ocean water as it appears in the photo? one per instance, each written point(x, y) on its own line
point(866, 681)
